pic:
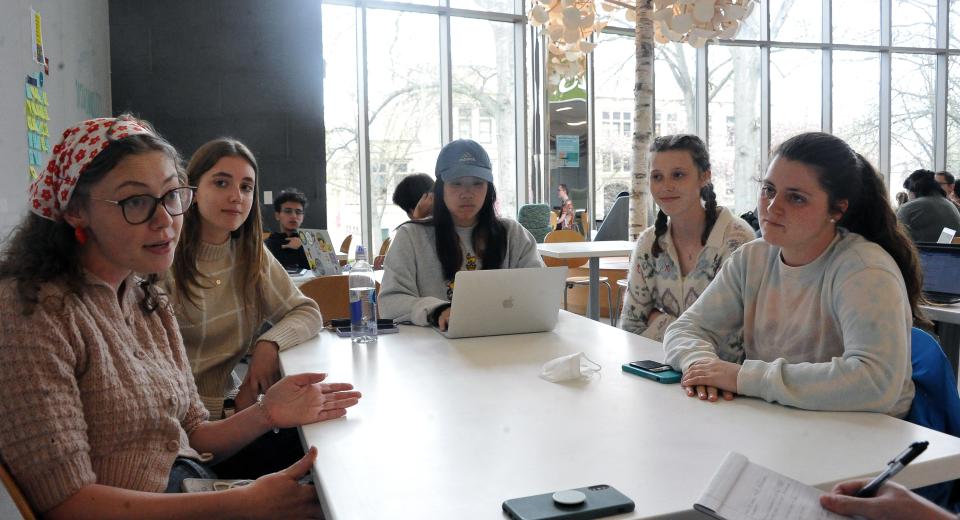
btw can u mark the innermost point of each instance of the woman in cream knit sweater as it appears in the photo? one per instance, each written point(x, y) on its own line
point(225, 286)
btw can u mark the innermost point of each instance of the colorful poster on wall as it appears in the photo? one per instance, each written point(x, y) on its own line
point(568, 151)
point(36, 109)
point(36, 37)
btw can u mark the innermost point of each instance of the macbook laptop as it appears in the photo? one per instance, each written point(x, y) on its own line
point(941, 272)
point(505, 301)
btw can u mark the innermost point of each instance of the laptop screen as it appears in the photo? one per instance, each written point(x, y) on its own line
point(941, 268)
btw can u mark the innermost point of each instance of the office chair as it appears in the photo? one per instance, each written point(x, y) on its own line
point(536, 219)
point(936, 404)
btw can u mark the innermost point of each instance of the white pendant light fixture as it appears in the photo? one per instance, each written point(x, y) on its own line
point(697, 21)
point(568, 25)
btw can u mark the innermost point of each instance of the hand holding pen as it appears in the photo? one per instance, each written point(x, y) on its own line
point(893, 467)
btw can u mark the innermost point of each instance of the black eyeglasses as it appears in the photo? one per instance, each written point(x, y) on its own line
point(140, 208)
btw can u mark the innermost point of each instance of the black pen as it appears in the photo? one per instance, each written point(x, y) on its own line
point(893, 467)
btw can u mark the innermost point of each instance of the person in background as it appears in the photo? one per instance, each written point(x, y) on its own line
point(414, 195)
point(823, 303)
point(929, 210)
point(892, 502)
point(464, 233)
point(677, 258)
point(955, 194)
point(902, 198)
point(945, 179)
point(947, 182)
point(101, 414)
point(288, 209)
point(225, 286)
point(565, 221)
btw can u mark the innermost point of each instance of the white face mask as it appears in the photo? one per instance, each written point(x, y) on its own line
point(565, 368)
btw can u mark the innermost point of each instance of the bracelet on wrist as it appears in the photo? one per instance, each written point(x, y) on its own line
point(263, 409)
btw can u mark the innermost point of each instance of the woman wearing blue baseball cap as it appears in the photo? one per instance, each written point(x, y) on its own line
point(464, 233)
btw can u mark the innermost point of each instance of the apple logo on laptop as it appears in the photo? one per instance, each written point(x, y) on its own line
point(508, 303)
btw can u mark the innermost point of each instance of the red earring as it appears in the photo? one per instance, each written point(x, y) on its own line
point(80, 234)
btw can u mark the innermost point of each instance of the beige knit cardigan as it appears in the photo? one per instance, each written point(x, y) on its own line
point(94, 390)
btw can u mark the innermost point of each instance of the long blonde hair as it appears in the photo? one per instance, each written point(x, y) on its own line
point(250, 260)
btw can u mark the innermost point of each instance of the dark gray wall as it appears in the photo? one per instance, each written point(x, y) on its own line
point(248, 69)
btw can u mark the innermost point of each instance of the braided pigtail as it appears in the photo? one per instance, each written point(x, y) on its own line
point(710, 198)
point(659, 229)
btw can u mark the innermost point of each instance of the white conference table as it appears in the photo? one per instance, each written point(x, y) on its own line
point(452, 428)
point(594, 251)
point(948, 328)
point(301, 279)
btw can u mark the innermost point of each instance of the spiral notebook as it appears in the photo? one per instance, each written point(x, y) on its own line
point(742, 490)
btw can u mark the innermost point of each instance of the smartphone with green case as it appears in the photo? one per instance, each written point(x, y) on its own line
point(654, 370)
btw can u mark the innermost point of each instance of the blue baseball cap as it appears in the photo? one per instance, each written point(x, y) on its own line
point(463, 158)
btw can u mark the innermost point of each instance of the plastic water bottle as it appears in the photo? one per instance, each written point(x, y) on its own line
point(363, 303)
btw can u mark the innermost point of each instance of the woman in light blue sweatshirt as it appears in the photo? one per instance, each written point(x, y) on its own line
point(824, 303)
point(464, 233)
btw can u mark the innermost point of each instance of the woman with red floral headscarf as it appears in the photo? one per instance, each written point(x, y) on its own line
point(104, 416)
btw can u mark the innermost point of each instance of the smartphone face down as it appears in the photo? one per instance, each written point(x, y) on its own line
point(600, 501)
point(650, 366)
point(658, 372)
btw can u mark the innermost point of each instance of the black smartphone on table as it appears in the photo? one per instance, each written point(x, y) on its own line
point(597, 502)
point(342, 327)
point(659, 372)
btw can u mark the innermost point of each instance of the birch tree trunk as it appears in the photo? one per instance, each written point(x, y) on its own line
point(642, 120)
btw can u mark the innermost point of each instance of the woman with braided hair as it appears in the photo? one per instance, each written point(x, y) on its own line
point(676, 259)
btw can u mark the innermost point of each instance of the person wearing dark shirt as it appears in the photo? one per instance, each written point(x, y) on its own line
point(929, 210)
point(414, 195)
point(285, 245)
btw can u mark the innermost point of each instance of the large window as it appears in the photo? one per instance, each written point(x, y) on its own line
point(404, 106)
point(733, 91)
point(872, 80)
point(856, 22)
point(795, 20)
point(431, 75)
point(914, 23)
point(613, 66)
point(340, 119)
point(953, 116)
point(911, 116)
point(484, 92)
point(794, 93)
point(856, 101)
point(400, 87)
